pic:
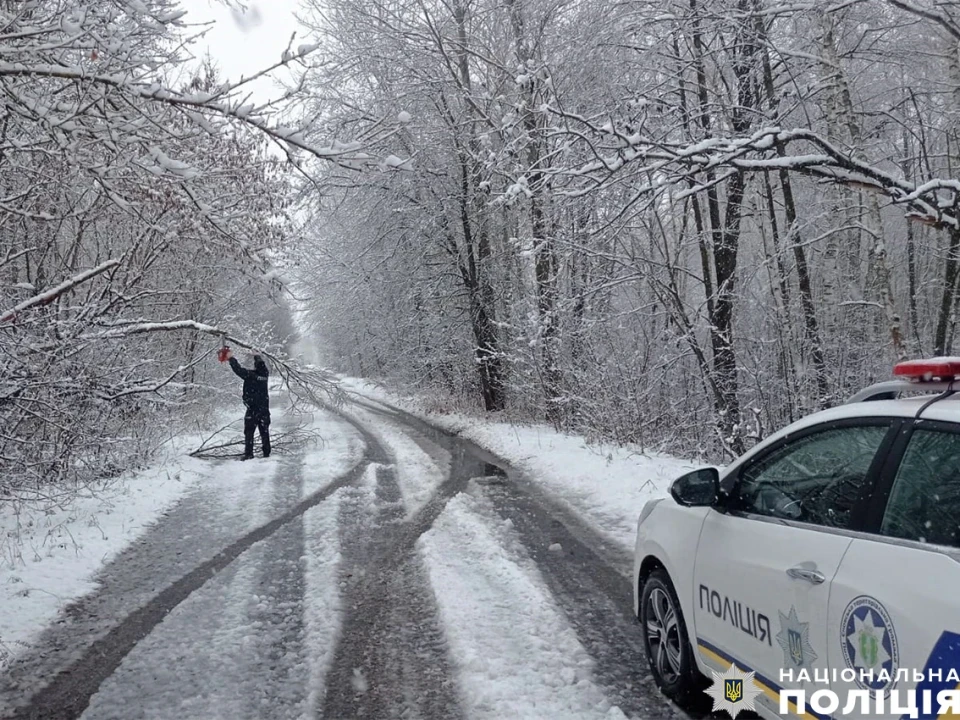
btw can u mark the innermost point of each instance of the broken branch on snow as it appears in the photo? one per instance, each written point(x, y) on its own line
point(220, 446)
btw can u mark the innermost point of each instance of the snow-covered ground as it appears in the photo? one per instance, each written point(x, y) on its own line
point(336, 447)
point(264, 636)
point(606, 485)
point(247, 643)
point(322, 610)
point(50, 552)
point(419, 474)
point(515, 654)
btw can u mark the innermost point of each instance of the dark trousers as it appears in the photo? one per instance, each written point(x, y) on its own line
point(256, 419)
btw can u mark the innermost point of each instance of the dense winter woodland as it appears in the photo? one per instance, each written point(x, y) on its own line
point(677, 223)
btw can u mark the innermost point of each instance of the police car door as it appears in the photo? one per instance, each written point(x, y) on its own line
point(895, 603)
point(766, 558)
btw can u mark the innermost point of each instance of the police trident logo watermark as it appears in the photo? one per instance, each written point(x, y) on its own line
point(733, 691)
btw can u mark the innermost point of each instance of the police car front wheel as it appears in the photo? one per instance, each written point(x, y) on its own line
point(665, 638)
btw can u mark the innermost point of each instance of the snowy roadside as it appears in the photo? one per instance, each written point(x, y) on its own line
point(50, 552)
point(606, 485)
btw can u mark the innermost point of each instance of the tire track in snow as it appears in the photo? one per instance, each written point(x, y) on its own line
point(392, 632)
point(280, 682)
point(237, 647)
point(392, 658)
point(517, 656)
point(594, 596)
point(589, 578)
point(68, 692)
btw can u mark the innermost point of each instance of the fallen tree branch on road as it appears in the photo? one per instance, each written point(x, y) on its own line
point(220, 446)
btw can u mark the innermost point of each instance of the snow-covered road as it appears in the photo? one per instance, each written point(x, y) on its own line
point(397, 572)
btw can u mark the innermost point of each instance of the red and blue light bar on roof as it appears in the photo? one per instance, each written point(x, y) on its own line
point(943, 369)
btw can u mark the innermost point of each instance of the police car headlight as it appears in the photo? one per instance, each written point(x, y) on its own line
point(647, 509)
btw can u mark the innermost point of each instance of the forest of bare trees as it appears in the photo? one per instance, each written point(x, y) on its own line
point(679, 223)
point(142, 219)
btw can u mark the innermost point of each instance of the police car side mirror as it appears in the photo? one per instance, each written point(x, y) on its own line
point(700, 488)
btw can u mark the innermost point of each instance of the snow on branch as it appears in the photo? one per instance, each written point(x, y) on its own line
point(219, 445)
point(929, 13)
point(350, 154)
point(86, 49)
point(308, 384)
point(48, 296)
point(159, 385)
point(670, 161)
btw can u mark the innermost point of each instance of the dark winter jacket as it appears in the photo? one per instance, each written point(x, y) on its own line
point(255, 395)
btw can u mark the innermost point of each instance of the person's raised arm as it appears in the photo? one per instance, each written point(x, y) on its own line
point(238, 368)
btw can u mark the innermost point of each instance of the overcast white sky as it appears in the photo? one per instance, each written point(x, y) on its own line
point(243, 43)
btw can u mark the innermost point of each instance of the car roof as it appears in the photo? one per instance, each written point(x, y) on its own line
point(946, 410)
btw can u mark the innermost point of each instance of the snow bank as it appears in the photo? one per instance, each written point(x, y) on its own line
point(606, 485)
point(514, 652)
point(50, 553)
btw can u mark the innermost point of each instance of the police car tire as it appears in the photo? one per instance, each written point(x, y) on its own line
point(688, 680)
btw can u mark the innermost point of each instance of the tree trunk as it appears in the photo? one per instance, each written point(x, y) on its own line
point(842, 126)
point(545, 259)
point(746, 54)
point(725, 236)
point(807, 306)
point(913, 315)
point(476, 241)
point(950, 272)
point(941, 344)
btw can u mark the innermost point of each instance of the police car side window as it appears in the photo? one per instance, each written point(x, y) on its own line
point(817, 478)
point(924, 502)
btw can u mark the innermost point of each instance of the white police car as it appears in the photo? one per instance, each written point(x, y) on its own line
point(831, 551)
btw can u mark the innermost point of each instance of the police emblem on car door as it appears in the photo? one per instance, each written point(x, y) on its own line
point(794, 639)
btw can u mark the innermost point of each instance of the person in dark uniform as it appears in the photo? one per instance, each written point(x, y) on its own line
point(257, 400)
